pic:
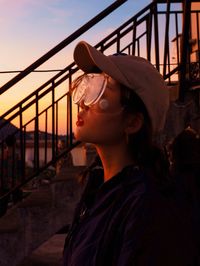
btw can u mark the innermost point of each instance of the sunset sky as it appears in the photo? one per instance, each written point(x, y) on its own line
point(30, 28)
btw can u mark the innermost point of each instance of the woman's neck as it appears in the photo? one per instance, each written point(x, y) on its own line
point(114, 159)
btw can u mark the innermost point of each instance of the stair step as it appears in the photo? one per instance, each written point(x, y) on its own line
point(42, 198)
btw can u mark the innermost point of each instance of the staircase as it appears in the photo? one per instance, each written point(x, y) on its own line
point(37, 218)
point(160, 32)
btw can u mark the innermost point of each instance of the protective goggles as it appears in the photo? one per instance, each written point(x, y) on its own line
point(89, 88)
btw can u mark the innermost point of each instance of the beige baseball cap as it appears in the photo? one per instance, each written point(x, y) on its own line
point(134, 72)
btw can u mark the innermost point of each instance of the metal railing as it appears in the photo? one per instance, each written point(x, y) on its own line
point(153, 33)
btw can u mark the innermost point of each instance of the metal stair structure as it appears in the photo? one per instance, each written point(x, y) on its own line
point(164, 32)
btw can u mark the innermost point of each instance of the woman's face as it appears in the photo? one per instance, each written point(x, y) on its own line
point(102, 123)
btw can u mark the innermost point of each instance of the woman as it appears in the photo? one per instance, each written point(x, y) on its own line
point(126, 215)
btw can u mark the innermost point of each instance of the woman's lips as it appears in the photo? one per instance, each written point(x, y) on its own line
point(79, 122)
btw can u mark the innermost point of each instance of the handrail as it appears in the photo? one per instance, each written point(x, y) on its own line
point(61, 155)
point(125, 24)
point(62, 45)
point(33, 93)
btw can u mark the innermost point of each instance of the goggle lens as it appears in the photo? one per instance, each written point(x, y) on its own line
point(90, 89)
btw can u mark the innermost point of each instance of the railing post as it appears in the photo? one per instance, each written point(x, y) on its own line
point(22, 147)
point(69, 121)
point(118, 42)
point(36, 135)
point(166, 48)
point(177, 38)
point(53, 121)
point(46, 129)
point(69, 113)
point(184, 48)
point(157, 54)
point(134, 37)
point(56, 128)
point(138, 46)
point(149, 35)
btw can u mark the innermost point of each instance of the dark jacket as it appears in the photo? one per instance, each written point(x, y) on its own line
point(129, 221)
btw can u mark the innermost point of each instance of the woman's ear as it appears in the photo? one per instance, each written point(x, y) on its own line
point(134, 123)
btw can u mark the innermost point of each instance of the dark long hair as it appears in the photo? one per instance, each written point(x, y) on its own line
point(144, 150)
point(140, 143)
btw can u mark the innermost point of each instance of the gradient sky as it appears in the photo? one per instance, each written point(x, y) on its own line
point(30, 28)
